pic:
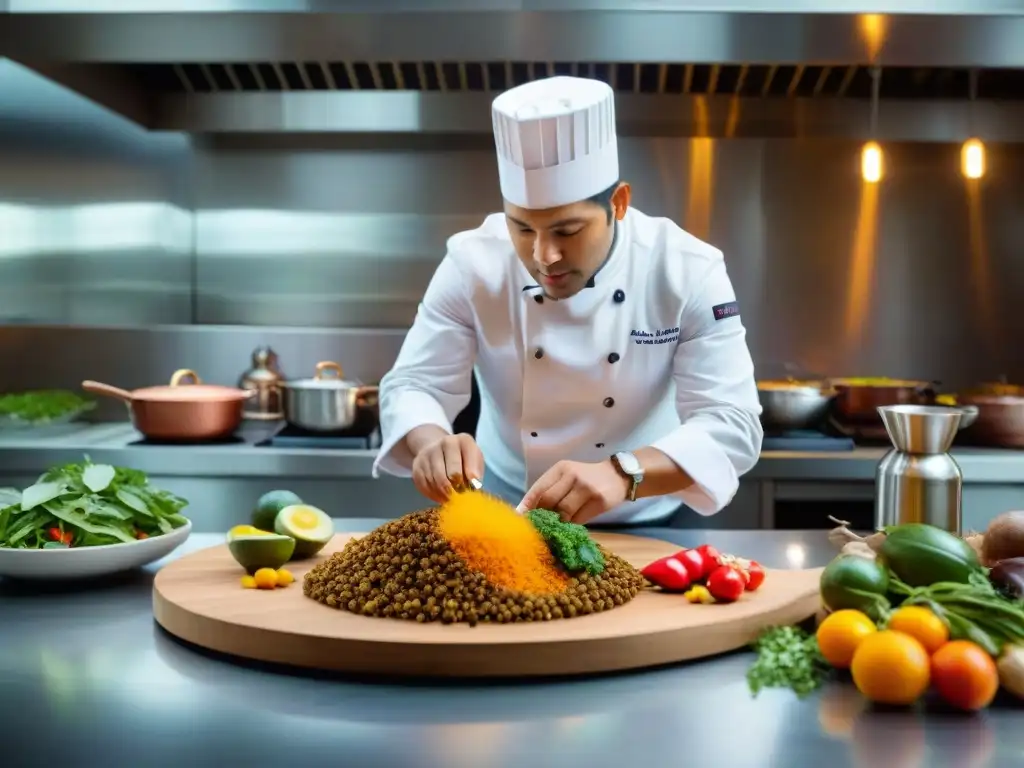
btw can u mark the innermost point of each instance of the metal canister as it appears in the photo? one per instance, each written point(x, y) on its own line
point(265, 379)
point(918, 481)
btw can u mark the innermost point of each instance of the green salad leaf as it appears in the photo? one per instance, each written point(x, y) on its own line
point(82, 505)
point(43, 405)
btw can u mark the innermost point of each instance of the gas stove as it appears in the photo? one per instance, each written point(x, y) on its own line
point(355, 439)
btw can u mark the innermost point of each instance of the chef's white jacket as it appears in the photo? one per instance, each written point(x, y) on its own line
point(654, 353)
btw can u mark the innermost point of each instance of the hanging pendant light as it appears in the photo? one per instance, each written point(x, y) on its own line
point(972, 153)
point(872, 159)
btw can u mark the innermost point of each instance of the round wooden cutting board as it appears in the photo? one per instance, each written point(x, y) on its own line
point(199, 598)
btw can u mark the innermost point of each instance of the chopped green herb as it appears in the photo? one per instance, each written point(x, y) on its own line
point(83, 505)
point(43, 405)
point(570, 543)
point(787, 657)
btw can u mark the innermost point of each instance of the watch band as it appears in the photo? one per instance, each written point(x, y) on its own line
point(635, 477)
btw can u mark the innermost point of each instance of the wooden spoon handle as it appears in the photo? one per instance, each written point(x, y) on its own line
point(98, 388)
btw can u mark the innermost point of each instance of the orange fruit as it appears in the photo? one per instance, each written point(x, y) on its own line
point(922, 625)
point(965, 676)
point(841, 633)
point(891, 668)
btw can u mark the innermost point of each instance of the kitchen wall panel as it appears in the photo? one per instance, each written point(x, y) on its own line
point(306, 242)
point(349, 236)
point(95, 215)
point(914, 277)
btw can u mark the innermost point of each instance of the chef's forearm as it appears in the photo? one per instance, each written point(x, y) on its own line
point(422, 436)
point(662, 476)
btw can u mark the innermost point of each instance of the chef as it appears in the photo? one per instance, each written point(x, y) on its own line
point(615, 380)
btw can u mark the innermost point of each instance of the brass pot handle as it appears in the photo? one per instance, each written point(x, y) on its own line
point(323, 367)
point(184, 373)
point(367, 396)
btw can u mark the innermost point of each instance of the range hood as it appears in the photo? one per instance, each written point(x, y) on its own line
point(432, 65)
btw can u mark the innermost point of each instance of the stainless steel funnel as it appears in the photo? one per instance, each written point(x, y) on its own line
point(921, 429)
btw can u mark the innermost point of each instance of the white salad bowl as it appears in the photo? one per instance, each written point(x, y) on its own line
point(89, 562)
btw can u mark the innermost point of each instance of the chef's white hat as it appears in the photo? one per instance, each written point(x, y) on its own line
point(556, 141)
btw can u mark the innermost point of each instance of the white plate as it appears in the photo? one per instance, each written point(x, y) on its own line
point(88, 562)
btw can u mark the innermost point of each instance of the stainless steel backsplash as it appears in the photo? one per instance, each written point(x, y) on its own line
point(164, 253)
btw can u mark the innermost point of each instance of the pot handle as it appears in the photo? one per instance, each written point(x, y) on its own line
point(184, 373)
point(367, 396)
point(106, 390)
point(928, 392)
point(327, 365)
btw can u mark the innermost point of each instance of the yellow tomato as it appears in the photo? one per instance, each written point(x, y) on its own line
point(891, 668)
point(922, 625)
point(248, 582)
point(841, 633)
point(284, 577)
point(266, 578)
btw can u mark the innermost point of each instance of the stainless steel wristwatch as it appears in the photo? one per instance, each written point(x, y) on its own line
point(629, 465)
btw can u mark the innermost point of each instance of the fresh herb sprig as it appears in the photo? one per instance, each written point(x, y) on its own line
point(570, 543)
point(43, 405)
point(787, 657)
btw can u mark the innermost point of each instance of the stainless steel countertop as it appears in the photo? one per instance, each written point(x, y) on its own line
point(112, 443)
point(90, 674)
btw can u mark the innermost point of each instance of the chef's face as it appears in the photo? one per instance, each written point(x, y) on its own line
point(563, 247)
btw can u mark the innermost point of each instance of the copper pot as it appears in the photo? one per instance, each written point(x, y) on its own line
point(1000, 421)
point(857, 400)
point(180, 412)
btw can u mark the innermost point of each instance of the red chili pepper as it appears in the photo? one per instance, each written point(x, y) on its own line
point(712, 557)
point(55, 534)
point(726, 584)
point(756, 573)
point(667, 573)
point(694, 563)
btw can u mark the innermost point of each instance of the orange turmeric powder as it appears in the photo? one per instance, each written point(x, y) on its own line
point(495, 540)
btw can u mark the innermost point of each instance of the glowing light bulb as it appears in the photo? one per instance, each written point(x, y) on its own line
point(972, 159)
point(871, 162)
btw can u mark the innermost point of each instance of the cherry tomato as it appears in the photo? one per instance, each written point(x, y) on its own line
point(694, 563)
point(54, 534)
point(711, 557)
point(725, 584)
point(756, 573)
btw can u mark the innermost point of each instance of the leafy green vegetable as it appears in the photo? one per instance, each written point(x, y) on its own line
point(974, 611)
point(95, 503)
point(43, 405)
point(787, 657)
point(569, 542)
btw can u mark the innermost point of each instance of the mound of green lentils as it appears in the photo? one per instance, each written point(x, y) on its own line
point(406, 570)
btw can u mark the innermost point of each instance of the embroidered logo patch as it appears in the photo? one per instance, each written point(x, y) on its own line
point(729, 309)
point(663, 336)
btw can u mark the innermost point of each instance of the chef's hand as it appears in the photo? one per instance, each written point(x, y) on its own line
point(579, 492)
point(444, 462)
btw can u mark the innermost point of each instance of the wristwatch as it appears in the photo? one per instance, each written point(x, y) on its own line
point(629, 465)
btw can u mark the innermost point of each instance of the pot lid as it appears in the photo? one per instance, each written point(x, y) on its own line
point(180, 390)
point(879, 381)
point(328, 376)
point(791, 384)
point(195, 393)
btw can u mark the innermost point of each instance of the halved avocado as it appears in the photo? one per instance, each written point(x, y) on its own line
point(262, 550)
point(310, 527)
point(247, 530)
point(268, 507)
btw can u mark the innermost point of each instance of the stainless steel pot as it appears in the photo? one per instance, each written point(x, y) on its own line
point(326, 402)
point(790, 405)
